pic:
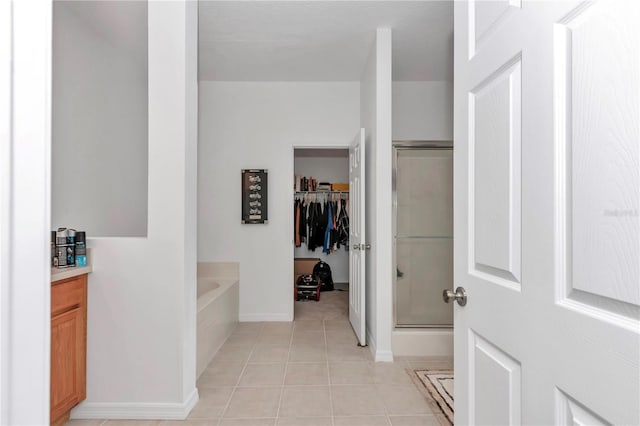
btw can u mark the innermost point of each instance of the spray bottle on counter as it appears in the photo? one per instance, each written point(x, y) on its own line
point(81, 248)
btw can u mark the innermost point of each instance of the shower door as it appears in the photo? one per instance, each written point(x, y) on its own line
point(423, 234)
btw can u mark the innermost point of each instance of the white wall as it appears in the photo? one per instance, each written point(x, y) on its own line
point(142, 293)
point(25, 158)
point(256, 125)
point(100, 142)
point(334, 170)
point(375, 104)
point(422, 110)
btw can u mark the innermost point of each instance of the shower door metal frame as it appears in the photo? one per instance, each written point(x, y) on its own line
point(397, 147)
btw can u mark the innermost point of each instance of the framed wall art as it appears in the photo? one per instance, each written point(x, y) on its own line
point(254, 196)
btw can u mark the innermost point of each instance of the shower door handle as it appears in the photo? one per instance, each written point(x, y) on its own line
point(460, 296)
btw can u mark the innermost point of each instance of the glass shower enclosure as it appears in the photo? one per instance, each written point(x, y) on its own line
point(423, 243)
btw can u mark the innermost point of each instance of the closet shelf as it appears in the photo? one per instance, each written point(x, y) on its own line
point(322, 192)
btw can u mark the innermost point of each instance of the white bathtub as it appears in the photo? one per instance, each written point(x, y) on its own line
point(218, 296)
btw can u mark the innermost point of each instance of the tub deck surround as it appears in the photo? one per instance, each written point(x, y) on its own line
point(220, 270)
point(218, 308)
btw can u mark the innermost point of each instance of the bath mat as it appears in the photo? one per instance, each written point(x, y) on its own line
point(437, 387)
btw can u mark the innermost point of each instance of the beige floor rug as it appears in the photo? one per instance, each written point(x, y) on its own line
point(437, 387)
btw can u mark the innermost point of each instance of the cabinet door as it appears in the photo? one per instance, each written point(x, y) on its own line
point(68, 360)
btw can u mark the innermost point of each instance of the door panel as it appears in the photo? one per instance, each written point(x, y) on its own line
point(600, 163)
point(570, 412)
point(485, 17)
point(357, 242)
point(495, 384)
point(547, 230)
point(494, 149)
point(67, 361)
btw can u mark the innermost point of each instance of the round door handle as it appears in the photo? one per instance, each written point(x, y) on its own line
point(459, 296)
point(356, 246)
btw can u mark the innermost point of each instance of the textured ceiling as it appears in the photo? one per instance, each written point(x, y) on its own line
point(322, 40)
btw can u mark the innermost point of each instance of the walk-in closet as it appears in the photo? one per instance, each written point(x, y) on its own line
point(321, 233)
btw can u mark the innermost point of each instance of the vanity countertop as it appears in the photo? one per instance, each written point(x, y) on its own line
point(58, 274)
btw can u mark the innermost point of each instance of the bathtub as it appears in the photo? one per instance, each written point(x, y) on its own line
point(218, 296)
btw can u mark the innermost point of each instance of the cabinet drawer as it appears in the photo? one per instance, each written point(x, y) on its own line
point(68, 294)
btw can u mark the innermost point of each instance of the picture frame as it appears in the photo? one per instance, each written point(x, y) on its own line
point(255, 196)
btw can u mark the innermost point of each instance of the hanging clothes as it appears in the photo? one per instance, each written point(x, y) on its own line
point(327, 235)
point(321, 221)
point(322, 224)
point(296, 210)
point(343, 226)
point(311, 221)
point(317, 224)
point(302, 228)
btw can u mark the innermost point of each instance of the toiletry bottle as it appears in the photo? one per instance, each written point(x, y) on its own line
point(81, 248)
point(61, 247)
point(54, 261)
point(71, 247)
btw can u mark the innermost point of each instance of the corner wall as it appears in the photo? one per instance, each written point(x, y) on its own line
point(376, 108)
point(257, 125)
point(142, 293)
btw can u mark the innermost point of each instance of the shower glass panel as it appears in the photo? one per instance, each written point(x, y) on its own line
point(424, 236)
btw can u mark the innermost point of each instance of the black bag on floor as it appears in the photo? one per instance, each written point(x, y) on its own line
point(307, 288)
point(322, 272)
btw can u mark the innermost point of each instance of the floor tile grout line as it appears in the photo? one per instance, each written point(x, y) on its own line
point(406, 363)
point(326, 350)
point(286, 366)
point(244, 367)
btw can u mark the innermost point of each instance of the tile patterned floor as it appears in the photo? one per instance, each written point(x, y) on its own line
point(306, 373)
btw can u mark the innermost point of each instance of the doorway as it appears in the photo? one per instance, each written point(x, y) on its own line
point(321, 234)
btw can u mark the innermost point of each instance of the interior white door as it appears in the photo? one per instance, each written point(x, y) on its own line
point(357, 242)
point(547, 232)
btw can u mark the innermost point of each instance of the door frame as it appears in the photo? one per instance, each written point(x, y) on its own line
point(292, 192)
point(25, 206)
point(398, 145)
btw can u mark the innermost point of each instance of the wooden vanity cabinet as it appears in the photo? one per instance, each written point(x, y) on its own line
point(68, 346)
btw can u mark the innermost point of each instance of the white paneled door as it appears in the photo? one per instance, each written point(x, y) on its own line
point(547, 230)
point(357, 243)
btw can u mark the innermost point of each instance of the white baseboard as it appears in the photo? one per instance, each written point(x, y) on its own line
point(265, 317)
point(422, 342)
point(384, 356)
point(378, 355)
point(136, 410)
